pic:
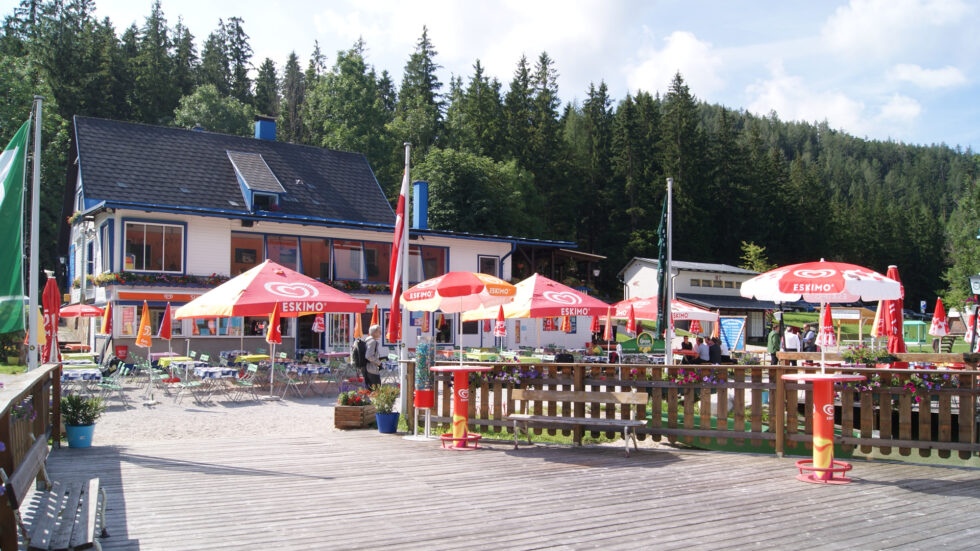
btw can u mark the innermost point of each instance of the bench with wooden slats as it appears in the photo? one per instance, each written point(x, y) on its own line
point(628, 426)
point(66, 514)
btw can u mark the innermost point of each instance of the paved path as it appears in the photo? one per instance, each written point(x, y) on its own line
point(360, 490)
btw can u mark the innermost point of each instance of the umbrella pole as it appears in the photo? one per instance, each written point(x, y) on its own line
point(823, 349)
point(272, 369)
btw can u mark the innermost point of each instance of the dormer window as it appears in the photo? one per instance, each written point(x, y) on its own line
point(264, 201)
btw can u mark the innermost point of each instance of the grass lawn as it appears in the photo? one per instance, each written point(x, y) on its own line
point(12, 369)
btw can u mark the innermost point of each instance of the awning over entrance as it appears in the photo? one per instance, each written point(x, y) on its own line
point(728, 302)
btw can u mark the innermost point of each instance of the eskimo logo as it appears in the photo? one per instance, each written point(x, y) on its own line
point(563, 297)
point(828, 410)
point(464, 394)
point(291, 290)
point(814, 274)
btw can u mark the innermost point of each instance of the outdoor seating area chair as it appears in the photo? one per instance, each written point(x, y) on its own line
point(114, 385)
point(289, 381)
point(246, 384)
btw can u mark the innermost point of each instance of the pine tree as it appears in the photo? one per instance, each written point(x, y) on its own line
point(267, 89)
point(598, 193)
point(185, 59)
point(518, 107)
point(389, 98)
point(239, 57)
point(547, 149)
point(215, 65)
point(418, 117)
point(290, 125)
point(156, 94)
point(316, 67)
point(682, 153)
point(484, 115)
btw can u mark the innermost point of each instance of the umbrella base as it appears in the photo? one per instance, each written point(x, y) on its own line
point(270, 398)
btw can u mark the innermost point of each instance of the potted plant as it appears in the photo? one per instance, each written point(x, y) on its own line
point(80, 414)
point(354, 410)
point(10, 346)
point(384, 397)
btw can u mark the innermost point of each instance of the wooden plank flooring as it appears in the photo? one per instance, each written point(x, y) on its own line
point(362, 490)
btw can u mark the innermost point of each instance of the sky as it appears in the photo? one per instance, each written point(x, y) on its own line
point(904, 70)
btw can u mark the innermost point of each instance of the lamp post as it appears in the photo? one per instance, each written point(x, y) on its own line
point(975, 289)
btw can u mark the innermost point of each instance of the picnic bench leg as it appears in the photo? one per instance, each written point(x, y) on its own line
point(517, 434)
point(626, 440)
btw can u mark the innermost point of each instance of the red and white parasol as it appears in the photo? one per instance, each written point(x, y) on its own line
point(646, 309)
point(939, 326)
point(821, 282)
point(631, 322)
point(500, 328)
point(696, 327)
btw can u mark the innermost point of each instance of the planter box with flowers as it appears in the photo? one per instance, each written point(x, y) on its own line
point(354, 410)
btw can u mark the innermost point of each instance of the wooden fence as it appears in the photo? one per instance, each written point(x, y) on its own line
point(742, 406)
point(31, 409)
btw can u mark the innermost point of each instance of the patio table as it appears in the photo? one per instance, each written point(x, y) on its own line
point(80, 378)
point(79, 356)
point(251, 358)
point(165, 362)
point(823, 466)
point(481, 356)
point(460, 435)
point(160, 355)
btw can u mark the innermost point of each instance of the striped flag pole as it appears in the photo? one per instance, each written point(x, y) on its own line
point(397, 273)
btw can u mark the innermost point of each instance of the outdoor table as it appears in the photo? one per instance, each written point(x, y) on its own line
point(822, 467)
point(251, 358)
point(231, 355)
point(207, 372)
point(460, 436)
point(481, 356)
point(187, 365)
point(332, 355)
point(165, 362)
point(160, 355)
point(77, 363)
point(81, 374)
point(545, 357)
point(79, 356)
point(684, 352)
point(75, 347)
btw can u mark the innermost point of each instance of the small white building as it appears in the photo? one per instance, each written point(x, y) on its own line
point(712, 286)
point(163, 215)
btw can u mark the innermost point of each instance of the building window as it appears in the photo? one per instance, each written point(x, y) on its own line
point(706, 283)
point(152, 247)
point(315, 255)
point(247, 250)
point(156, 319)
point(90, 259)
point(340, 329)
point(471, 327)
point(105, 249)
point(348, 260)
point(431, 262)
point(488, 265)
point(264, 201)
point(377, 261)
point(738, 284)
point(729, 284)
point(717, 283)
point(283, 250)
point(695, 283)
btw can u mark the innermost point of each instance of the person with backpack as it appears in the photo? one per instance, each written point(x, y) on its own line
point(371, 362)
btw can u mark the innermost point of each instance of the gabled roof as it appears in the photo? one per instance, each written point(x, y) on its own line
point(175, 168)
point(693, 266)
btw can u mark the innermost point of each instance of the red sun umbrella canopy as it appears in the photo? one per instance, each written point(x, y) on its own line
point(939, 326)
point(821, 282)
point(540, 297)
point(81, 311)
point(696, 327)
point(646, 309)
point(260, 290)
point(458, 292)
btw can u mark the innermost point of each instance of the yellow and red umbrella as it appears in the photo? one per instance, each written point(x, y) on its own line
point(696, 327)
point(566, 324)
point(107, 320)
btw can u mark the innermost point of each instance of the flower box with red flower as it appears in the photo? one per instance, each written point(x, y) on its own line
point(354, 410)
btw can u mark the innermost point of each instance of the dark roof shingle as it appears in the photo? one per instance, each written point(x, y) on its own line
point(154, 162)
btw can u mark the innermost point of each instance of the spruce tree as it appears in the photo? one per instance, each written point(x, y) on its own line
point(290, 125)
point(185, 59)
point(267, 89)
point(418, 118)
point(156, 94)
point(239, 57)
point(215, 67)
point(518, 107)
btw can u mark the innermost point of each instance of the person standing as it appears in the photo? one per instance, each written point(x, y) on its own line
point(372, 367)
point(772, 345)
point(809, 338)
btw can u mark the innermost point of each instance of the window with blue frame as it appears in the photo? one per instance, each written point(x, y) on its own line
point(348, 260)
point(153, 247)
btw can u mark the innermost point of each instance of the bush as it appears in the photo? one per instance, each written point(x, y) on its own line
point(79, 411)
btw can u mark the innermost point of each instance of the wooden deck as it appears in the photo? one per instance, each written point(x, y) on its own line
point(362, 490)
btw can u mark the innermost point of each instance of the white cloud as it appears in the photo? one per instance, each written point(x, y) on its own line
point(697, 62)
point(793, 99)
point(900, 109)
point(928, 78)
point(882, 27)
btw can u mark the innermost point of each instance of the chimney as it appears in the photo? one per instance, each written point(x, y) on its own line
point(420, 205)
point(265, 128)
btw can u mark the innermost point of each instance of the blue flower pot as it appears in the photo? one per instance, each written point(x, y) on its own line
point(387, 422)
point(79, 436)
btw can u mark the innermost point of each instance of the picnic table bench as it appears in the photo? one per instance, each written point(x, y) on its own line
point(67, 512)
point(628, 426)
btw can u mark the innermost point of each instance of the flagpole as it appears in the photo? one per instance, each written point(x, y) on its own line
point(403, 349)
point(32, 287)
point(668, 280)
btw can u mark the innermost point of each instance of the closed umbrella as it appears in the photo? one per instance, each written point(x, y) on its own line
point(566, 324)
point(358, 332)
point(51, 301)
point(631, 322)
point(594, 327)
point(894, 324)
point(939, 326)
point(107, 320)
point(374, 316)
point(826, 337)
point(320, 326)
point(500, 328)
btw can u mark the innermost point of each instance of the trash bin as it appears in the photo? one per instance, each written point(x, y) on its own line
point(122, 351)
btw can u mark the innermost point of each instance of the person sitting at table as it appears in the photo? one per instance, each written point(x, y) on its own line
point(726, 354)
point(372, 369)
point(714, 351)
point(704, 354)
point(686, 345)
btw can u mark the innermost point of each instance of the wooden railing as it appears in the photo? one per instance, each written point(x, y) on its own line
point(742, 406)
point(31, 408)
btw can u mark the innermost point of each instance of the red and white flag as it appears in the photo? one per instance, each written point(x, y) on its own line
point(165, 324)
point(397, 262)
point(274, 333)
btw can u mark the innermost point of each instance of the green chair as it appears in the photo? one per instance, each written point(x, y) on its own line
point(246, 383)
point(113, 385)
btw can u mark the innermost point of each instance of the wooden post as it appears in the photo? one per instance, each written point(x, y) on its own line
point(778, 411)
point(579, 386)
point(8, 522)
point(56, 404)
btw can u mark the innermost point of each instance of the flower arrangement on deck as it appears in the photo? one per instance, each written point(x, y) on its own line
point(692, 376)
point(360, 397)
point(169, 280)
point(866, 355)
point(918, 384)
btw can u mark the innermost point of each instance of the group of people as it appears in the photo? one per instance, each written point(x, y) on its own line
point(794, 340)
point(710, 350)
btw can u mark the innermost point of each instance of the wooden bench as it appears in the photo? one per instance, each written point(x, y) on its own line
point(628, 426)
point(67, 512)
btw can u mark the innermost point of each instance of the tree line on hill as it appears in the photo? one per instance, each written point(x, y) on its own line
point(512, 158)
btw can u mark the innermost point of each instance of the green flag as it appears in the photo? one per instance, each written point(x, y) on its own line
point(12, 162)
point(662, 297)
